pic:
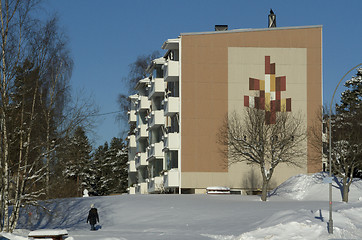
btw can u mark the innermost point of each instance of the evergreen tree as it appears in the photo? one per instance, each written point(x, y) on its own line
point(346, 133)
point(110, 168)
point(99, 179)
point(76, 161)
point(117, 158)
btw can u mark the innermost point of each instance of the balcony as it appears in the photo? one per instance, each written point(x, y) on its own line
point(171, 71)
point(156, 119)
point(155, 185)
point(155, 151)
point(141, 188)
point(131, 190)
point(171, 106)
point(142, 103)
point(157, 88)
point(132, 141)
point(132, 166)
point(141, 132)
point(171, 178)
point(141, 160)
point(132, 116)
point(171, 141)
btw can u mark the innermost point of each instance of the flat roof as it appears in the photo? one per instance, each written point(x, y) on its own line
point(251, 30)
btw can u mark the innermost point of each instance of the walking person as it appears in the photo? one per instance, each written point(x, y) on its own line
point(93, 217)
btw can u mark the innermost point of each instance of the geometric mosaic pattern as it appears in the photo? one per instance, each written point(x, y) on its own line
point(268, 93)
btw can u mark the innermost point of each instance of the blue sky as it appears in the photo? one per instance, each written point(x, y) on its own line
point(107, 35)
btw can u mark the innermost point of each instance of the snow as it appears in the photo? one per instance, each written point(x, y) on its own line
point(217, 190)
point(48, 232)
point(298, 209)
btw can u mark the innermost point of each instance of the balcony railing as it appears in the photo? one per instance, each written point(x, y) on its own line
point(171, 106)
point(171, 178)
point(132, 141)
point(156, 118)
point(155, 151)
point(132, 166)
point(132, 116)
point(171, 71)
point(141, 160)
point(131, 190)
point(155, 185)
point(141, 188)
point(157, 88)
point(143, 103)
point(141, 131)
point(171, 141)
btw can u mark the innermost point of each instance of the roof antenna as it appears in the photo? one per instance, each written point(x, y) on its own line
point(272, 19)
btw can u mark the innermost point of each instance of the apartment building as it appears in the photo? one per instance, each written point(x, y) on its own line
point(179, 108)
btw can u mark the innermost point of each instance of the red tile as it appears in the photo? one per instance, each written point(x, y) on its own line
point(246, 101)
point(267, 64)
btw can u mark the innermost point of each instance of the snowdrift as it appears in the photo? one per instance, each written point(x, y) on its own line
point(298, 209)
point(312, 188)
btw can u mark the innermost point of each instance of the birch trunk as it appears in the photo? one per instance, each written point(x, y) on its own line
point(21, 178)
point(6, 15)
point(48, 110)
point(20, 161)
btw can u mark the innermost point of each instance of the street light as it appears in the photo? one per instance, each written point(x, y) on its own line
point(330, 223)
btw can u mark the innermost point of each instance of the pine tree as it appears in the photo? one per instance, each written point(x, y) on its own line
point(346, 133)
point(76, 160)
point(99, 174)
point(117, 161)
point(110, 168)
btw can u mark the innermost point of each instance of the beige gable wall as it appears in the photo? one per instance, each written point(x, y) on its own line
point(205, 93)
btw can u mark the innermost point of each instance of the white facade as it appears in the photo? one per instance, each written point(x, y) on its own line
point(154, 139)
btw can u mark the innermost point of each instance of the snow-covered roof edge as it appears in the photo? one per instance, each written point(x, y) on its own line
point(142, 82)
point(170, 43)
point(251, 30)
point(157, 61)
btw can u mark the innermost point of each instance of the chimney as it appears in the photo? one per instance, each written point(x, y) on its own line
point(221, 28)
point(272, 20)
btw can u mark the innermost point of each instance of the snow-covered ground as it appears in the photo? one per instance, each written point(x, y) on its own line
point(298, 209)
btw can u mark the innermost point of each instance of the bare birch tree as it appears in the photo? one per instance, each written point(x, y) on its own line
point(34, 113)
point(248, 138)
point(14, 19)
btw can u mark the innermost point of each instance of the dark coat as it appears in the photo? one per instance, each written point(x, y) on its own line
point(93, 216)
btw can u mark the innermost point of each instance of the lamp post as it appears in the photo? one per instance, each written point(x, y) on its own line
point(330, 223)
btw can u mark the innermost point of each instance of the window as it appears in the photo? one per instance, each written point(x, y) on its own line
point(173, 89)
point(157, 72)
point(172, 159)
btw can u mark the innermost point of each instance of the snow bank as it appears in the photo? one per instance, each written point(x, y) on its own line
point(12, 236)
point(312, 188)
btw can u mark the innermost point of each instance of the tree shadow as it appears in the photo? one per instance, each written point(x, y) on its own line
point(51, 215)
point(339, 185)
point(252, 182)
point(320, 217)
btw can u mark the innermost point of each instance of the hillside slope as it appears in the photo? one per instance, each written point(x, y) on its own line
point(207, 216)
